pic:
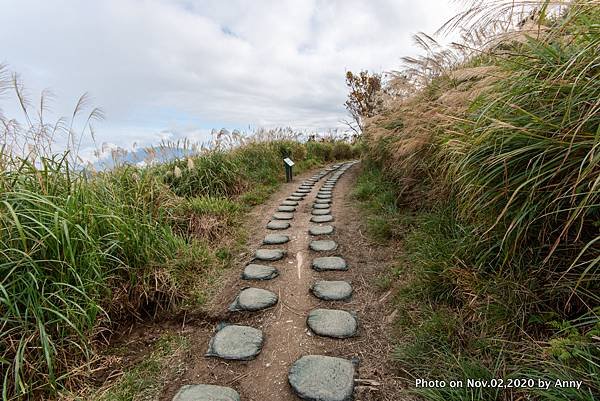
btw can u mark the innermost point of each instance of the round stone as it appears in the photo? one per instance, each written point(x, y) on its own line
point(331, 290)
point(320, 230)
point(329, 263)
point(286, 209)
point(322, 219)
point(269, 254)
point(321, 206)
point(235, 342)
point(322, 378)
point(321, 212)
point(275, 239)
point(278, 225)
point(289, 203)
point(283, 216)
point(332, 323)
point(255, 271)
point(299, 194)
point(303, 190)
point(206, 392)
point(323, 196)
point(253, 299)
point(324, 192)
point(323, 245)
point(322, 201)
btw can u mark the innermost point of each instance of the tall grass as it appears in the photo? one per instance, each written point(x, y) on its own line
point(502, 180)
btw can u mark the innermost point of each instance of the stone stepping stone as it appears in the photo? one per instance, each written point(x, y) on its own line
point(240, 343)
point(322, 201)
point(334, 323)
point(321, 212)
point(321, 206)
point(324, 193)
point(255, 271)
point(206, 392)
point(299, 194)
point(303, 190)
point(329, 263)
point(332, 290)
point(283, 216)
point(253, 299)
point(269, 255)
point(322, 378)
point(322, 219)
point(320, 230)
point(278, 225)
point(275, 239)
point(323, 245)
point(294, 198)
point(323, 196)
point(289, 203)
point(285, 208)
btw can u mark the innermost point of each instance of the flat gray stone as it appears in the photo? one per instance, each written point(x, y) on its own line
point(322, 378)
point(255, 271)
point(329, 263)
point(322, 219)
point(331, 290)
point(300, 194)
point(285, 208)
point(322, 201)
point(289, 203)
point(275, 239)
point(241, 343)
point(323, 196)
point(321, 206)
point(278, 225)
point(332, 323)
point(323, 245)
point(324, 192)
point(303, 190)
point(269, 254)
point(320, 230)
point(253, 299)
point(206, 392)
point(294, 198)
point(283, 216)
point(321, 212)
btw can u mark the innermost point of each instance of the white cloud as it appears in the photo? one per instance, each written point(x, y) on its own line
point(182, 67)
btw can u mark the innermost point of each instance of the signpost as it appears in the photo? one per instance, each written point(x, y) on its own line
point(288, 163)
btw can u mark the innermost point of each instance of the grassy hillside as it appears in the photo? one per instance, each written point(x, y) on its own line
point(82, 252)
point(492, 156)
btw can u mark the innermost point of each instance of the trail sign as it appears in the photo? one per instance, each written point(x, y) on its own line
point(288, 163)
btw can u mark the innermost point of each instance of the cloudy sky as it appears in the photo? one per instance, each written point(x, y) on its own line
point(174, 68)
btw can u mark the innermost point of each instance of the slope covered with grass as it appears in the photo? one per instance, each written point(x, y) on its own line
point(80, 252)
point(494, 158)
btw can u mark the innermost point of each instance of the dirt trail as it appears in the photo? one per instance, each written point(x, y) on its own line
point(284, 325)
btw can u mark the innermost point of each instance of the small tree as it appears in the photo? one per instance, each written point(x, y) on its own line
point(363, 98)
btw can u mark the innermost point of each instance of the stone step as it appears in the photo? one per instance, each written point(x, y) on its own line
point(253, 299)
point(255, 271)
point(283, 216)
point(320, 230)
point(321, 212)
point(322, 219)
point(294, 198)
point(331, 290)
point(322, 378)
point(321, 206)
point(275, 239)
point(333, 323)
point(278, 225)
point(322, 201)
point(206, 392)
point(289, 203)
point(269, 255)
point(329, 263)
point(322, 196)
point(323, 245)
point(298, 194)
point(240, 343)
point(285, 208)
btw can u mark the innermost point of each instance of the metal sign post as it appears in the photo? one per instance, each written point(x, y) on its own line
point(288, 163)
